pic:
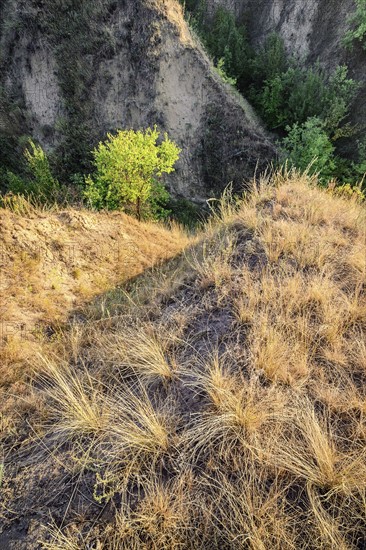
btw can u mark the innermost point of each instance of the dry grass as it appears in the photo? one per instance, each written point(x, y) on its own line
point(145, 353)
point(52, 262)
point(122, 422)
point(220, 403)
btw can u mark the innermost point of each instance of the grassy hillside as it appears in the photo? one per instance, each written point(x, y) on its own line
point(217, 402)
point(53, 262)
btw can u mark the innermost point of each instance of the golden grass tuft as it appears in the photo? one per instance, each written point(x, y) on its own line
point(147, 354)
point(237, 413)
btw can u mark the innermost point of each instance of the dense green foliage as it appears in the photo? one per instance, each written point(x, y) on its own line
point(228, 42)
point(128, 167)
point(357, 21)
point(299, 93)
point(306, 107)
point(269, 62)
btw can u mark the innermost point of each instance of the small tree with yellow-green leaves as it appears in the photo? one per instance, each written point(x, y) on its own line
point(128, 167)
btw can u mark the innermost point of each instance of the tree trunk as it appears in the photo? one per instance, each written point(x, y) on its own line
point(138, 208)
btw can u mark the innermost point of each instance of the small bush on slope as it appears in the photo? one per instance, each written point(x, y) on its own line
point(223, 401)
point(41, 186)
point(309, 147)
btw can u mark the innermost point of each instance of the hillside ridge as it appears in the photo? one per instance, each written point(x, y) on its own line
point(217, 400)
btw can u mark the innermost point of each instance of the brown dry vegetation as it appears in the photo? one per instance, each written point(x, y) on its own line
point(52, 262)
point(220, 403)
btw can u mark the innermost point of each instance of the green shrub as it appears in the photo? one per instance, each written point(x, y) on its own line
point(308, 146)
point(43, 184)
point(38, 185)
point(292, 97)
point(156, 207)
point(15, 184)
point(358, 23)
point(348, 191)
point(360, 166)
point(128, 168)
point(351, 171)
point(339, 95)
point(220, 69)
point(357, 172)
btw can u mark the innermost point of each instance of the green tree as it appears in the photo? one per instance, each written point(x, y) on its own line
point(301, 93)
point(340, 93)
point(128, 168)
point(308, 146)
point(270, 62)
point(293, 96)
point(227, 43)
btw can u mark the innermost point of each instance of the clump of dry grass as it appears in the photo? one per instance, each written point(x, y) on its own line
point(144, 352)
point(122, 430)
point(238, 410)
point(247, 514)
point(222, 404)
point(309, 448)
point(161, 518)
point(79, 407)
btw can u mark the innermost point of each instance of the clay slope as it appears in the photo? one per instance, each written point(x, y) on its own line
point(71, 71)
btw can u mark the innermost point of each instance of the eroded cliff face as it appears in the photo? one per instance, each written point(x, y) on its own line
point(312, 31)
point(72, 71)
